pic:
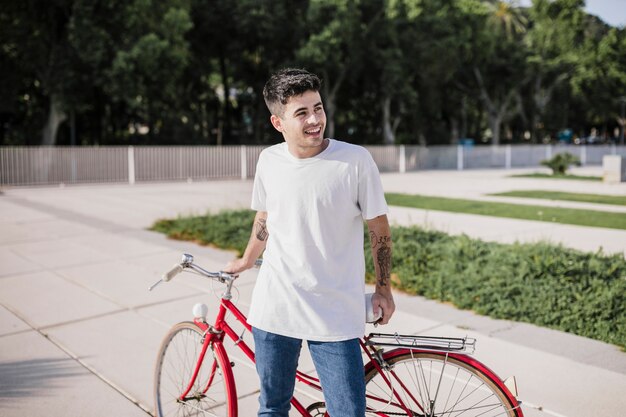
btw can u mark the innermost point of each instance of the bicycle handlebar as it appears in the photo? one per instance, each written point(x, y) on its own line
point(187, 262)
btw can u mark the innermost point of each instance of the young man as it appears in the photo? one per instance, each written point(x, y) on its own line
point(311, 195)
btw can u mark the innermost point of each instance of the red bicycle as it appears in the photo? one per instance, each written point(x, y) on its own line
point(420, 376)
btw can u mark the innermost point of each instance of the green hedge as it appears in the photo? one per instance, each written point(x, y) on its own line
point(543, 284)
point(226, 230)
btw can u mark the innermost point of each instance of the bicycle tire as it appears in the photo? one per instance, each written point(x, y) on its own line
point(175, 365)
point(427, 384)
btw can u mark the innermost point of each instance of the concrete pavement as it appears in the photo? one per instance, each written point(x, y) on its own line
point(79, 331)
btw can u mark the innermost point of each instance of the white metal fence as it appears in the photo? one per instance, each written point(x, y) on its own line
point(74, 165)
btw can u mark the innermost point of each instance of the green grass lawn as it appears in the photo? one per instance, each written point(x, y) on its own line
point(558, 177)
point(617, 200)
point(578, 217)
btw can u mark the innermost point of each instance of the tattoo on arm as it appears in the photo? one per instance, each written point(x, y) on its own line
point(372, 239)
point(261, 230)
point(383, 259)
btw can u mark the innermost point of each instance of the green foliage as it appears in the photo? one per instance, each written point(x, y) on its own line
point(227, 230)
point(543, 284)
point(394, 71)
point(563, 215)
point(540, 283)
point(560, 163)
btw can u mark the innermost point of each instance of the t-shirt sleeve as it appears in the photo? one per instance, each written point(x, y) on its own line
point(371, 195)
point(258, 190)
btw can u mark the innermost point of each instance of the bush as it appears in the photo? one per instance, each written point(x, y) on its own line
point(227, 230)
point(543, 284)
point(560, 163)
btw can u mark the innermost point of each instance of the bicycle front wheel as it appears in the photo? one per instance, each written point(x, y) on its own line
point(176, 362)
point(429, 384)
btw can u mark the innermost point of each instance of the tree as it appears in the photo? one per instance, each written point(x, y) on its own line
point(600, 78)
point(271, 32)
point(497, 63)
point(506, 17)
point(553, 39)
point(337, 48)
point(387, 74)
point(142, 54)
point(443, 50)
point(400, 71)
point(37, 35)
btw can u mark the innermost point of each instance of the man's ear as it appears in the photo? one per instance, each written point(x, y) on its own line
point(276, 122)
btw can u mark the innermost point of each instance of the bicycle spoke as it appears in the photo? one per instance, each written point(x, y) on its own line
point(416, 382)
point(454, 380)
point(435, 385)
point(426, 401)
point(409, 397)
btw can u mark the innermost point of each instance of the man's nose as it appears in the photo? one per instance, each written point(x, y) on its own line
point(312, 119)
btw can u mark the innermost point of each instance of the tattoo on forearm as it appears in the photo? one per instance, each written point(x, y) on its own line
point(383, 259)
point(372, 239)
point(261, 229)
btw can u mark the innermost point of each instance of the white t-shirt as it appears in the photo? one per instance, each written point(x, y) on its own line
point(311, 283)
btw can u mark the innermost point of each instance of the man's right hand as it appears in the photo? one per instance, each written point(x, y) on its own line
point(237, 266)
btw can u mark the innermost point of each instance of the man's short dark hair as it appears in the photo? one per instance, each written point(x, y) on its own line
point(287, 83)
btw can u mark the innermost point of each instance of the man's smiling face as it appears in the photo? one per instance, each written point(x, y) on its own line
point(302, 124)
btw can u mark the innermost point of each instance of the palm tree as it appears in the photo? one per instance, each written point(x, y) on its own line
point(501, 99)
point(506, 16)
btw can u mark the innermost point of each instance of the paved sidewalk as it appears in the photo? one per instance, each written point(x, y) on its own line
point(79, 331)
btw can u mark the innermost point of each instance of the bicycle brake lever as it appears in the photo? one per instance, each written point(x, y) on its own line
point(155, 284)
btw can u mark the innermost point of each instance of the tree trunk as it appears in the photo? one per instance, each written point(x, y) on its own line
point(73, 128)
point(495, 122)
point(329, 109)
point(499, 109)
point(56, 116)
point(330, 92)
point(330, 118)
point(534, 121)
point(225, 125)
point(454, 131)
point(260, 119)
point(388, 134)
point(463, 132)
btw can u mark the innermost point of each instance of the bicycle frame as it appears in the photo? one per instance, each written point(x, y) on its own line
point(376, 358)
point(216, 334)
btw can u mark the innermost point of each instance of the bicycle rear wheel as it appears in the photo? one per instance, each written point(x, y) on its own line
point(210, 394)
point(431, 385)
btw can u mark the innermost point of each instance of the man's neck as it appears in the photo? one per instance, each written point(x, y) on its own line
point(308, 152)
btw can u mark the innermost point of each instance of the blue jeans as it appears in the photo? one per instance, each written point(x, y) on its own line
point(339, 366)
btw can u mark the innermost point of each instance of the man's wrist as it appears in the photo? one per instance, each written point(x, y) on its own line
point(384, 291)
point(249, 263)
